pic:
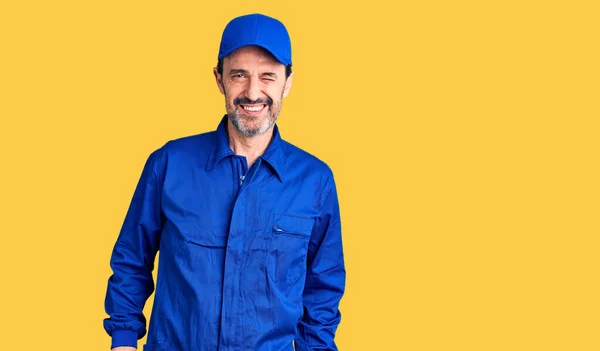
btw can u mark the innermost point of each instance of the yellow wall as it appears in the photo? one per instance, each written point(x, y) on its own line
point(463, 136)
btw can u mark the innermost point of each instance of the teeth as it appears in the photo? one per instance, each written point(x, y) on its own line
point(253, 108)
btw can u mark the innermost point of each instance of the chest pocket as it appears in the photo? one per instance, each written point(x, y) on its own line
point(288, 247)
point(198, 252)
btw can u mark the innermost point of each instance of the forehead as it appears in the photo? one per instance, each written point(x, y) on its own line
point(251, 55)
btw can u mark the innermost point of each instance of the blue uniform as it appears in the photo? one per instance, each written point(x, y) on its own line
point(250, 259)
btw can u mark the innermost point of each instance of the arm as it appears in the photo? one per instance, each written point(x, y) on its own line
point(325, 280)
point(132, 260)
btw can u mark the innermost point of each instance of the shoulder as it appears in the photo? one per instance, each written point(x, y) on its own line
point(177, 151)
point(301, 159)
point(196, 146)
point(192, 143)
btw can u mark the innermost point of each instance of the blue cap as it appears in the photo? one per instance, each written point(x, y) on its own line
point(260, 30)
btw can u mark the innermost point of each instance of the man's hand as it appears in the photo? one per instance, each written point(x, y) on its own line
point(124, 348)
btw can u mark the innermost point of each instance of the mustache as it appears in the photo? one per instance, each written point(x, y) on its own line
point(244, 100)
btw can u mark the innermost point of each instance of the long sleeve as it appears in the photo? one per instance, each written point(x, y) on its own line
point(133, 258)
point(325, 280)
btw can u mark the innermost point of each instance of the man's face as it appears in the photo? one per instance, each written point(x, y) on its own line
point(254, 84)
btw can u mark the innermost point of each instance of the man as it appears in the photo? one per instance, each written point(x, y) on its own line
point(247, 224)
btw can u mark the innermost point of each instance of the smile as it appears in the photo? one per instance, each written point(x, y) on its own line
point(254, 109)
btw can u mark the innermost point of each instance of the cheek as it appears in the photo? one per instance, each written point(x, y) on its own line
point(230, 96)
point(232, 91)
point(274, 93)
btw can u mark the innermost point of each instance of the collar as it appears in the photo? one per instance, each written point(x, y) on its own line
point(220, 149)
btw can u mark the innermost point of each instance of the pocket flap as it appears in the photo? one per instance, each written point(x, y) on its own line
point(208, 237)
point(293, 224)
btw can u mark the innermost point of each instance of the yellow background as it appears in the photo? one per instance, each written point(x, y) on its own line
point(463, 136)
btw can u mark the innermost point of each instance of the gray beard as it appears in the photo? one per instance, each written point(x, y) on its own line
point(236, 120)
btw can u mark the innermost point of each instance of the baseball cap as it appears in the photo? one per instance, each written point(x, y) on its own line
point(260, 30)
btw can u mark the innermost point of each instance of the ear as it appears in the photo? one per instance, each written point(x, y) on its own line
point(219, 80)
point(288, 84)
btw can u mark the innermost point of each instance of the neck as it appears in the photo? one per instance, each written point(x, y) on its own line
point(250, 147)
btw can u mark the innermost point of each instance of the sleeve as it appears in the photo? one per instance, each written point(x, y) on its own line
point(325, 280)
point(132, 260)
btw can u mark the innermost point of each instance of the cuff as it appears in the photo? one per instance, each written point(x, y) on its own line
point(124, 338)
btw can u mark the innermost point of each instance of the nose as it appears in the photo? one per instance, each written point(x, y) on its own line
point(253, 91)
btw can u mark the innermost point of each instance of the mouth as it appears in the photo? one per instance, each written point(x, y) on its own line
point(253, 110)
